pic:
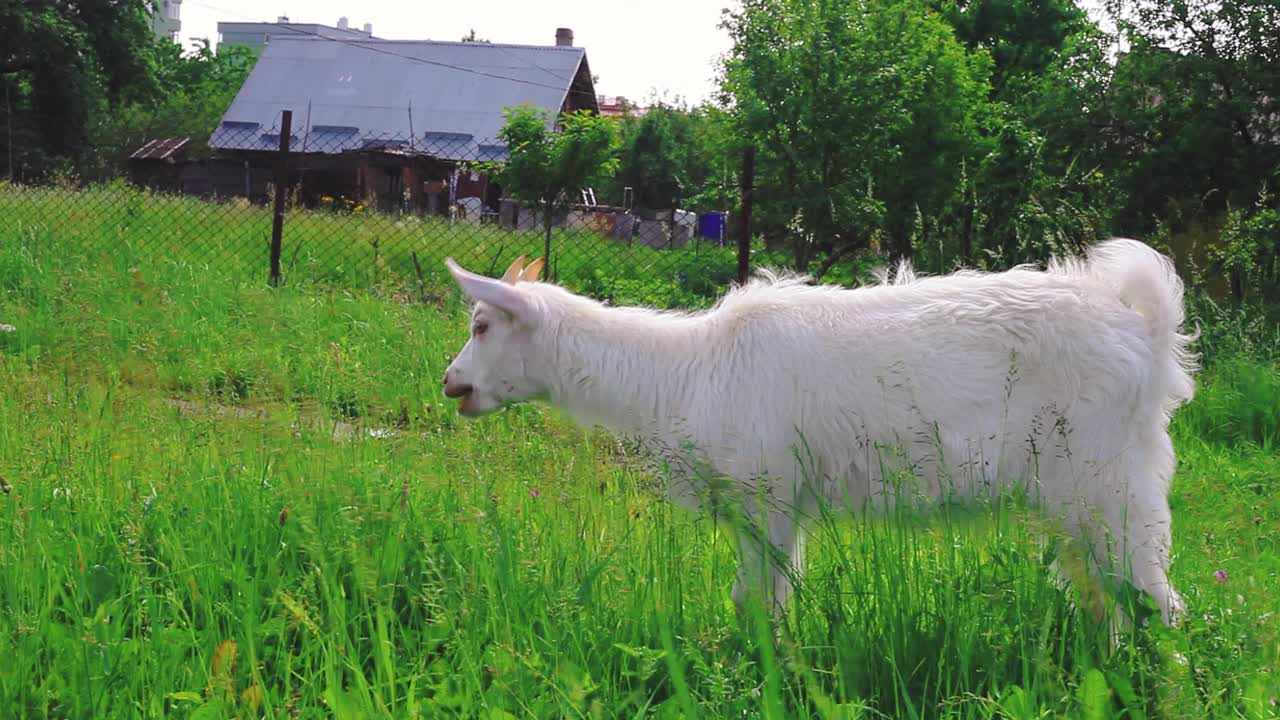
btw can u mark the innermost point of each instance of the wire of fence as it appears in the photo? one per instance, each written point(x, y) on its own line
point(328, 204)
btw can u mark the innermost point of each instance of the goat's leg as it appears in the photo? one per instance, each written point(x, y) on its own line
point(1127, 538)
point(1140, 524)
point(769, 558)
point(1146, 532)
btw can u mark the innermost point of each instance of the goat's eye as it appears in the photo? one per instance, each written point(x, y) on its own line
point(481, 328)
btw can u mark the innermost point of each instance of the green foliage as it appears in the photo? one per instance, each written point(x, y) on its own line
point(1024, 37)
point(196, 88)
point(547, 166)
point(62, 63)
point(864, 113)
point(1194, 99)
point(1249, 249)
point(995, 132)
point(677, 157)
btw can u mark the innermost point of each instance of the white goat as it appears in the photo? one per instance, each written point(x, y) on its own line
point(1060, 382)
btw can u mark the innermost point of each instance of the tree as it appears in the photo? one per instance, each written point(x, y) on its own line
point(1183, 124)
point(1196, 98)
point(196, 88)
point(1024, 37)
point(655, 153)
point(63, 62)
point(472, 38)
point(547, 166)
point(864, 112)
point(673, 156)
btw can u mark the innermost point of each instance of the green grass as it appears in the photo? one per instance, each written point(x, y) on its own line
point(199, 522)
point(356, 250)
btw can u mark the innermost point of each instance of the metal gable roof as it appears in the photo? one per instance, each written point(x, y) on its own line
point(447, 96)
point(160, 149)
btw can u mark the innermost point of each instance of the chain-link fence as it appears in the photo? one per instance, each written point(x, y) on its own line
point(354, 210)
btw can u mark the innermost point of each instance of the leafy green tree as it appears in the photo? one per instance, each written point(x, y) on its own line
point(655, 156)
point(1196, 97)
point(1186, 127)
point(865, 113)
point(1248, 249)
point(547, 166)
point(196, 88)
point(1024, 37)
point(61, 64)
point(674, 156)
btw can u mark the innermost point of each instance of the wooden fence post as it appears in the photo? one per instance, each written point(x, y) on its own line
point(744, 228)
point(281, 181)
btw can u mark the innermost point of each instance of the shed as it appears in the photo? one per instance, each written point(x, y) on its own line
point(158, 163)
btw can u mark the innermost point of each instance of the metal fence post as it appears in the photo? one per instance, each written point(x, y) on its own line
point(281, 180)
point(744, 229)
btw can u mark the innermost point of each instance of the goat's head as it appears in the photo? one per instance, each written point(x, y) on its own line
point(493, 368)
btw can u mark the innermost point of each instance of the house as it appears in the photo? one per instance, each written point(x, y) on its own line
point(394, 120)
point(257, 35)
point(166, 19)
point(618, 107)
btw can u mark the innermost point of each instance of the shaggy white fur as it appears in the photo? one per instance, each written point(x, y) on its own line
point(1060, 382)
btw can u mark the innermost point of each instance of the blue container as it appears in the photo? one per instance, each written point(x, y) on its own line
point(711, 226)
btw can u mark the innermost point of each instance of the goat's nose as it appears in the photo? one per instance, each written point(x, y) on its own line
point(457, 391)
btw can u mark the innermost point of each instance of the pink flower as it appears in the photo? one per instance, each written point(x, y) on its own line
point(1220, 576)
point(533, 493)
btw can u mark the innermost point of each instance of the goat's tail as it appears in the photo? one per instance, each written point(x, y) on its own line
point(1148, 282)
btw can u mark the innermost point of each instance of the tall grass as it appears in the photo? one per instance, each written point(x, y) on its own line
point(230, 500)
point(354, 251)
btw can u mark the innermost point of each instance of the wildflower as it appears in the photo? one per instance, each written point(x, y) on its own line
point(533, 493)
point(5, 487)
point(7, 328)
point(284, 514)
point(1220, 576)
point(1257, 520)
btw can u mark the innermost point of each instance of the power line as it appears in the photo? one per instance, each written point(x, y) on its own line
point(424, 61)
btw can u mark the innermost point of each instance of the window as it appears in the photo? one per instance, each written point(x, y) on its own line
point(171, 9)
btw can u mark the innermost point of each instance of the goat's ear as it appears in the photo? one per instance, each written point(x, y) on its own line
point(530, 274)
point(498, 293)
point(513, 273)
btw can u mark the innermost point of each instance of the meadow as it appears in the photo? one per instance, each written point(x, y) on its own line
point(222, 499)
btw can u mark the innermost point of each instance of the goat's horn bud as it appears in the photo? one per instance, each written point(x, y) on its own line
point(530, 273)
point(513, 273)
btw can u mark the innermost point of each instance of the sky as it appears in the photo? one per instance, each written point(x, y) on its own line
point(637, 49)
point(667, 48)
